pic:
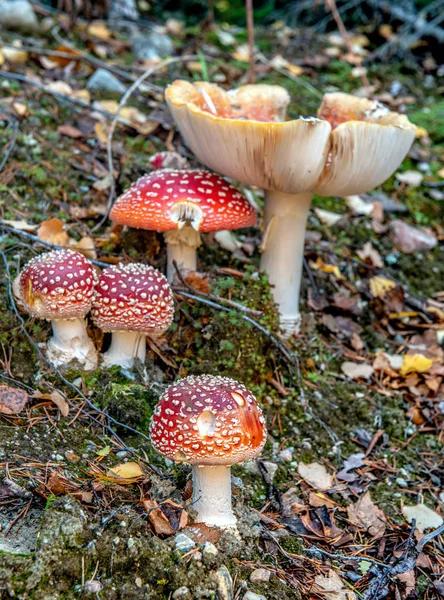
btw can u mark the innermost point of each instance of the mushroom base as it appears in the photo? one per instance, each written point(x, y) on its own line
point(181, 247)
point(212, 495)
point(71, 342)
point(125, 347)
point(285, 220)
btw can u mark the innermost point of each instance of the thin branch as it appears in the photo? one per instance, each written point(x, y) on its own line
point(12, 141)
point(250, 32)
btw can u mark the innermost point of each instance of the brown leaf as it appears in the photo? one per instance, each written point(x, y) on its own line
point(12, 400)
point(370, 255)
point(60, 402)
point(157, 519)
point(128, 470)
point(69, 131)
point(367, 515)
point(56, 485)
point(52, 231)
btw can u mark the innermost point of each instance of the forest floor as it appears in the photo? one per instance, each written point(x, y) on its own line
point(347, 499)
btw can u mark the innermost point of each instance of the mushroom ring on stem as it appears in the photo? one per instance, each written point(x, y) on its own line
point(181, 203)
point(58, 286)
point(131, 301)
point(212, 423)
point(352, 146)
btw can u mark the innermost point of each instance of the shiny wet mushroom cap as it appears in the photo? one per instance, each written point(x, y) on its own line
point(165, 200)
point(208, 420)
point(57, 285)
point(133, 297)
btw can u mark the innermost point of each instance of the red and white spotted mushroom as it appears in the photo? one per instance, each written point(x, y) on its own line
point(181, 203)
point(58, 286)
point(132, 301)
point(212, 423)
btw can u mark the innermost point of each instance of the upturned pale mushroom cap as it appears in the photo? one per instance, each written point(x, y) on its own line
point(208, 420)
point(133, 297)
point(353, 146)
point(165, 200)
point(57, 285)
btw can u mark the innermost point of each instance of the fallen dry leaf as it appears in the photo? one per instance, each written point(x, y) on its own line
point(425, 517)
point(20, 225)
point(356, 370)
point(367, 515)
point(315, 475)
point(69, 131)
point(12, 400)
point(332, 587)
point(410, 239)
point(415, 363)
point(379, 286)
point(129, 470)
point(52, 231)
point(370, 256)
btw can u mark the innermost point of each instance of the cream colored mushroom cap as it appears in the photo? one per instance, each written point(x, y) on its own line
point(304, 155)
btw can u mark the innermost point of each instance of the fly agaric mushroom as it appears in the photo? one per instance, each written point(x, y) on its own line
point(58, 286)
point(353, 146)
point(181, 204)
point(212, 423)
point(132, 301)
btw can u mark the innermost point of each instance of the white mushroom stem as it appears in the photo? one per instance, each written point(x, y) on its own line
point(285, 220)
point(212, 495)
point(181, 247)
point(71, 342)
point(125, 347)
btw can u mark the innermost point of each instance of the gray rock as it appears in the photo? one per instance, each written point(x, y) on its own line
point(224, 583)
point(104, 81)
point(209, 549)
point(152, 46)
point(182, 593)
point(260, 576)
point(19, 15)
point(183, 543)
point(270, 467)
point(253, 596)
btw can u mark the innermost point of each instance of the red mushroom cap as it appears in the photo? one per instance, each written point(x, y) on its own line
point(165, 200)
point(57, 285)
point(208, 420)
point(133, 297)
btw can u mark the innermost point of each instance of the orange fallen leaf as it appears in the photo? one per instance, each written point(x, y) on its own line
point(52, 231)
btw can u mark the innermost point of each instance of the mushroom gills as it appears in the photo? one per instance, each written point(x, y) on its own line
point(186, 213)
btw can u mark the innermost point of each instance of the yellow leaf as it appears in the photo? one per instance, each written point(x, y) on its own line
point(20, 108)
point(416, 363)
point(101, 132)
point(421, 132)
point(52, 231)
point(2, 58)
point(379, 286)
point(129, 470)
point(99, 30)
point(295, 70)
point(441, 173)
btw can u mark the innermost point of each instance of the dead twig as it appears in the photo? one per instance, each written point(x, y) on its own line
point(250, 32)
point(13, 124)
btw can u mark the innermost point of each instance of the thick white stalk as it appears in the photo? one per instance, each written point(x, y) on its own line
point(182, 245)
point(125, 347)
point(71, 342)
point(285, 220)
point(212, 495)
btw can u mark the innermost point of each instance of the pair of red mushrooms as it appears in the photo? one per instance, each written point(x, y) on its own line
point(131, 301)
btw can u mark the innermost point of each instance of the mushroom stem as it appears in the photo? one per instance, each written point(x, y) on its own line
point(70, 341)
point(212, 495)
point(285, 221)
point(125, 347)
point(181, 247)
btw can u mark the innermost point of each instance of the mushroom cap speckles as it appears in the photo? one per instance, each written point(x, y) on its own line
point(208, 420)
point(57, 285)
point(154, 202)
point(133, 297)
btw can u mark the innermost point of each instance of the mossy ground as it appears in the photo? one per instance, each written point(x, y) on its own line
point(317, 416)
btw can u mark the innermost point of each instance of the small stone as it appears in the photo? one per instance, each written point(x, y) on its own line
point(209, 549)
point(183, 543)
point(286, 455)
point(260, 576)
point(224, 583)
point(19, 15)
point(92, 586)
point(104, 81)
point(253, 596)
point(183, 593)
point(153, 46)
point(130, 543)
point(401, 482)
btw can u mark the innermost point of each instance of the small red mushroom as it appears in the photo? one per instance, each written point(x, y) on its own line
point(212, 423)
point(58, 286)
point(131, 301)
point(181, 204)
